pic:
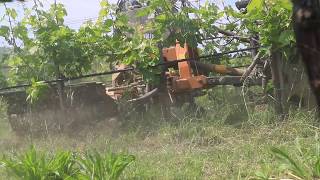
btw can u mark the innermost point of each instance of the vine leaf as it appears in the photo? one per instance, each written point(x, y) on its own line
point(255, 5)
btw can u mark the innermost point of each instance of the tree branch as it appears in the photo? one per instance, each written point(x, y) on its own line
point(251, 67)
point(13, 40)
point(229, 33)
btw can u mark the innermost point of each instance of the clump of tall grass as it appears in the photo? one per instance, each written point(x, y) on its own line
point(33, 165)
point(300, 162)
point(93, 165)
point(65, 165)
point(298, 168)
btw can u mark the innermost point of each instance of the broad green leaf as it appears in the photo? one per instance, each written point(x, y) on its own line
point(108, 23)
point(4, 31)
point(285, 37)
point(104, 4)
point(143, 12)
point(255, 5)
point(286, 4)
point(161, 17)
point(103, 13)
point(12, 13)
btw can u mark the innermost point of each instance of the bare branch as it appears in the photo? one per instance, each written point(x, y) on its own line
point(229, 33)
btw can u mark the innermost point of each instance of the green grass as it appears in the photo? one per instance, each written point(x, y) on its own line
point(226, 143)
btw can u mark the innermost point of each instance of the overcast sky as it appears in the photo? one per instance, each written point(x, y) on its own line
point(78, 10)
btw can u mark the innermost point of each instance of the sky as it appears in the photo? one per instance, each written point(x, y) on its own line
point(79, 11)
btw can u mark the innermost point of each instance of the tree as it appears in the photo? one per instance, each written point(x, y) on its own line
point(306, 25)
point(271, 21)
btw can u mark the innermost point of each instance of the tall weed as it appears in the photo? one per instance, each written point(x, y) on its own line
point(35, 165)
point(110, 166)
point(298, 163)
point(65, 165)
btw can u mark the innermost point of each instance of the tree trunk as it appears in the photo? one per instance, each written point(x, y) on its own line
point(60, 87)
point(61, 94)
point(278, 83)
point(306, 18)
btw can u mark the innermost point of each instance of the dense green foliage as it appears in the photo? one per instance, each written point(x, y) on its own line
point(271, 20)
point(49, 50)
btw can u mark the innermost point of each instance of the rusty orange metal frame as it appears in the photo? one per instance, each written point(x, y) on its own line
point(186, 80)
